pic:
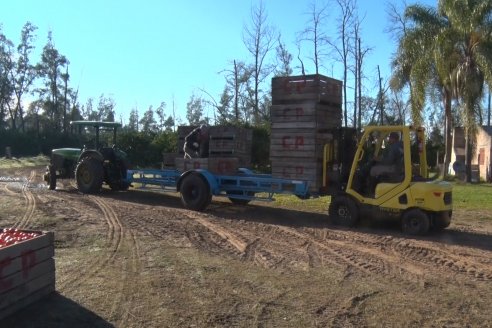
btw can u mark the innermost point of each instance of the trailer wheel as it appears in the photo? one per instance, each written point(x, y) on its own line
point(343, 211)
point(415, 222)
point(51, 177)
point(89, 175)
point(195, 192)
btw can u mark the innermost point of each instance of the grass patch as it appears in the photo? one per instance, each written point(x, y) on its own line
point(472, 196)
point(39, 160)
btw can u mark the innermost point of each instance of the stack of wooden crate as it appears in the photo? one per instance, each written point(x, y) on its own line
point(229, 149)
point(27, 272)
point(305, 113)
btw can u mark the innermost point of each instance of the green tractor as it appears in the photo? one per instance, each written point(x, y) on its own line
point(90, 167)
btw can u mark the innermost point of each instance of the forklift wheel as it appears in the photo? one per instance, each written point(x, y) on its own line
point(343, 211)
point(415, 222)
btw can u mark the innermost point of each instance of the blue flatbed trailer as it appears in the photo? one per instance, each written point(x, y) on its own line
point(198, 186)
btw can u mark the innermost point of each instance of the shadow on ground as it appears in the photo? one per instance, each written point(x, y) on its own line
point(55, 310)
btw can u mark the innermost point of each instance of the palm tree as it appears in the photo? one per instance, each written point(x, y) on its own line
point(472, 27)
point(424, 60)
point(449, 48)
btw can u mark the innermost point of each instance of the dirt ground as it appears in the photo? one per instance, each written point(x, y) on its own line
point(138, 259)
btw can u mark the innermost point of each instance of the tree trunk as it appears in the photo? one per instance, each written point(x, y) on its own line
point(448, 129)
point(468, 155)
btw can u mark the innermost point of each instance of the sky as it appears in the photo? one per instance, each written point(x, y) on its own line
point(142, 53)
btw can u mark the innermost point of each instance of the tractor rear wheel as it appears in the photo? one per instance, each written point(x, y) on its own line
point(195, 192)
point(343, 211)
point(89, 175)
point(415, 222)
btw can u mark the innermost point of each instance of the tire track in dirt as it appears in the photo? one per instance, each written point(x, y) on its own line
point(389, 256)
point(122, 256)
point(419, 256)
point(30, 200)
point(247, 248)
point(113, 241)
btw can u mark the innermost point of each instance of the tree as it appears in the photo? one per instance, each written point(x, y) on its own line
point(194, 110)
point(105, 109)
point(237, 85)
point(470, 24)
point(6, 87)
point(449, 48)
point(342, 44)
point(424, 59)
point(259, 39)
point(284, 59)
point(23, 72)
point(50, 70)
point(160, 111)
point(147, 122)
point(315, 34)
point(133, 120)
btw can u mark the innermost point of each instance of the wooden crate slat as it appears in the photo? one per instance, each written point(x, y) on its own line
point(29, 273)
point(218, 165)
point(16, 294)
point(26, 258)
point(29, 299)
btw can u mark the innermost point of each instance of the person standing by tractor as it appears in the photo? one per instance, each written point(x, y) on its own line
point(197, 142)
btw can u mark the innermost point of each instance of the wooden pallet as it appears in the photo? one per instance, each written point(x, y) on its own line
point(27, 272)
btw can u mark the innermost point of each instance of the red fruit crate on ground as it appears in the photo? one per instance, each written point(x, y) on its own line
point(27, 268)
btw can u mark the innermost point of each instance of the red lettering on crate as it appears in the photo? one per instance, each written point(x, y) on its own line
point(298, 142)
point(224, 167)
point(298, 112)
point(196, 165)
point(285, 173)
point(299, 170)
point(299, 85)
point(28, 262)
point(285, 142)
point(5, 283)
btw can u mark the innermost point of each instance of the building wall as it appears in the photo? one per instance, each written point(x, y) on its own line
point(481, 160)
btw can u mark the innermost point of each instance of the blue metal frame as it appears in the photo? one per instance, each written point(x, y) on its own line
point(245, 185)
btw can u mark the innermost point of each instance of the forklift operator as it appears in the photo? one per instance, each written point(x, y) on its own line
point(390, 163)
point(196, 143)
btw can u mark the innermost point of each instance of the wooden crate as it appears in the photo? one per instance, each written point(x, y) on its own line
point(300, 143)
point(218, 165)
point(305, 115)
point(168, 160)
point(27, 272)
point(224, 141)
point(291, 168)
point(317, 88)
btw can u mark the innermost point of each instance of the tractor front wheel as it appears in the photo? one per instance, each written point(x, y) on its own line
point(343, 211)
point(415, 222)
point(89, 175)
point(51, 177)
point(195, 192)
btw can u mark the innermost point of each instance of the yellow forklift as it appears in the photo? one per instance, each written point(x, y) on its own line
point(405, 192)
